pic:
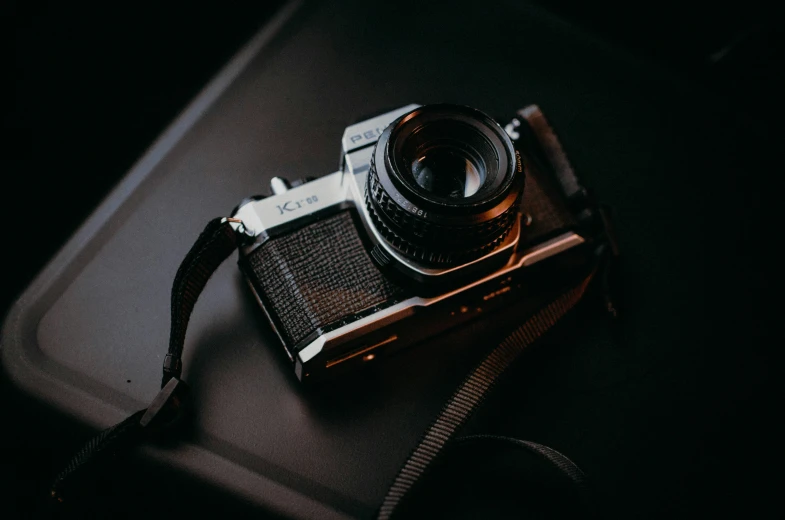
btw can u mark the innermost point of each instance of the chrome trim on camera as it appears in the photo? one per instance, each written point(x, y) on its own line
point(364, 350)
point(406, 308)
point(358, 161)
point(367, 132)
point(266, 214)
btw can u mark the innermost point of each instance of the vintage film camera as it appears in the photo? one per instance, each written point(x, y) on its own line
point(437, 215)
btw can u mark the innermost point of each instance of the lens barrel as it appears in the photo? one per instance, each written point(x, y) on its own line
point(445, 185)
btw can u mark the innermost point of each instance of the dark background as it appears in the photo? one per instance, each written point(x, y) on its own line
point(89, 87)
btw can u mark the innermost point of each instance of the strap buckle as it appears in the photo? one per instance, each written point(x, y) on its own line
point(167, 407)
point(239, 227)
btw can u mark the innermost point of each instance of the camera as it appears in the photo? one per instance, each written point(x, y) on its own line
point(436, 215)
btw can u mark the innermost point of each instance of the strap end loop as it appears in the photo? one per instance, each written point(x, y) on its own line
point(167, 407)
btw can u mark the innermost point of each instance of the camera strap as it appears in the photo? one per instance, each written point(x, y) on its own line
point(215, 244)
point(471, 393)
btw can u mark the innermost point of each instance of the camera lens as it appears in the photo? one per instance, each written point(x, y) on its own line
point(445, 184)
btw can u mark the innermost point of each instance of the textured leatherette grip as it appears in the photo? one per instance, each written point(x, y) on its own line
point(547, 207)
point(316, 276)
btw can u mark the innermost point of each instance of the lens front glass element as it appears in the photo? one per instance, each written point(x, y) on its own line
point(447, 159)
point(448, 172)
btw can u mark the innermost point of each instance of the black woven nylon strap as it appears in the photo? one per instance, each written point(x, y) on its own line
point(473, 391)
point(214, 245)
point(99, 450)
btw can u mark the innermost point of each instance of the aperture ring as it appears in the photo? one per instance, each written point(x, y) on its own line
point(431, 256)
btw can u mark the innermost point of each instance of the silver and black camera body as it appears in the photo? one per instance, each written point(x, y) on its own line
point(436, 216)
